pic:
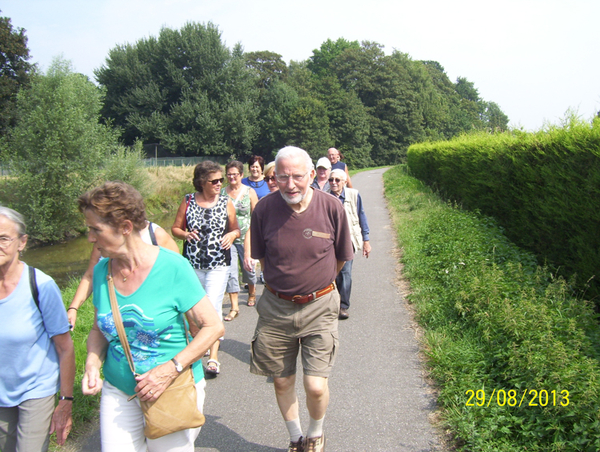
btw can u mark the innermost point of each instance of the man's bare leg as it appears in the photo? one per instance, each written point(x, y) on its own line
point(317, 396)
point(285, 392)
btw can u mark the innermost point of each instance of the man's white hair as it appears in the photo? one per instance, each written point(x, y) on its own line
point(339, 173)
point(289, 152)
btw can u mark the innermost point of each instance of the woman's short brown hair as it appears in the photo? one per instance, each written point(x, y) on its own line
point(115, 202)
point(201, 172)
point(257, 158)
point(237, 165)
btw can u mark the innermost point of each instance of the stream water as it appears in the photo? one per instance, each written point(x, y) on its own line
point(70, 259)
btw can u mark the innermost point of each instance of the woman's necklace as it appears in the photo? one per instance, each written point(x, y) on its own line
point(130, 273)
point(257, 183)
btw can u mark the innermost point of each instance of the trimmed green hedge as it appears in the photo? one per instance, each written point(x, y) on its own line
point(543, 188)
point(494, 321)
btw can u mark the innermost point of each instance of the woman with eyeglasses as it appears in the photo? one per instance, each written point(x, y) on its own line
point(270, 177)
point(256, 180)
point(207, 223)
point(37, 355)
point(244, 199)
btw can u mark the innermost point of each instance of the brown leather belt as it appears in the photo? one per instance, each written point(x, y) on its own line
point(301, 299)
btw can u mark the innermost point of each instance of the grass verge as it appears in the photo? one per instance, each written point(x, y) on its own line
point(514, 354)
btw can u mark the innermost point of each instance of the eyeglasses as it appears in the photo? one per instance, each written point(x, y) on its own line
point(233, 175)
point(6, 241)
point(216, 181)
point(336, 180)
point(269, 178)
point(284, 178)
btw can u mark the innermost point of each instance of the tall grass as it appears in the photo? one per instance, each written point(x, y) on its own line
point(493, 320)
point(167, 184)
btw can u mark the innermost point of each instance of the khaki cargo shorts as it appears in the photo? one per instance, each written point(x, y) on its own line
point(285, 328)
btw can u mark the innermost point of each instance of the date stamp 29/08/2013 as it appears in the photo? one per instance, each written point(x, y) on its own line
point(518, 398)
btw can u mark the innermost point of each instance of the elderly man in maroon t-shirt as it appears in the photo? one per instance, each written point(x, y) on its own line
point(302, 239)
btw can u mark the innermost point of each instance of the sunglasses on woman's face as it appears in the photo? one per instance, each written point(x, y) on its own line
point(269, 178)
point(216, 181)
point(335, 179)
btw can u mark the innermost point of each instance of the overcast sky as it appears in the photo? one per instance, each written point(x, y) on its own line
point(535, 58)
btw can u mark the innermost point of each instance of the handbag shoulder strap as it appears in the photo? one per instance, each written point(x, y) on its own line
point(114, 307)
point(188, 197)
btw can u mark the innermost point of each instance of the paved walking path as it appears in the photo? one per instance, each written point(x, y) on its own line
point(379, 398)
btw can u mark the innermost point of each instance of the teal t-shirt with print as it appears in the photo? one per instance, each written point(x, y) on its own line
point(152, 317)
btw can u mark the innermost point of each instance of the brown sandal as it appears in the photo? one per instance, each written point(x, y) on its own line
point(251, 300)
point(232, 315)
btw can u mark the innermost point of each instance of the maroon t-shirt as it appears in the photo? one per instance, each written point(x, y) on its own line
point(300, 250)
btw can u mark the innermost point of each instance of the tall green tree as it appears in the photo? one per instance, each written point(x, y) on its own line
point(323, 59)
point(277, 103)
point(471, 107)
point(385, 86)
point(308, 127)
point(494, 118)
point(184, 89)
point(15, 70)
point(442, 123)
point(349, 122)
point(58, 149)
point(268, 67)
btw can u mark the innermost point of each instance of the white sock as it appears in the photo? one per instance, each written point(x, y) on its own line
point(295, 429)
point(315, 428)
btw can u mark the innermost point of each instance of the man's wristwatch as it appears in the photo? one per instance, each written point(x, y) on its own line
point(178, 367)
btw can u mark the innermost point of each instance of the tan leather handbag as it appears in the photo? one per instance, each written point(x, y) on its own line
point(177, 407)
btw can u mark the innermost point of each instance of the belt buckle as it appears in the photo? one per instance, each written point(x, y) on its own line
point(296, 299)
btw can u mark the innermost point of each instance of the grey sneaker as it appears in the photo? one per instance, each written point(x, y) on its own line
point(297, 446)
point(315, 444)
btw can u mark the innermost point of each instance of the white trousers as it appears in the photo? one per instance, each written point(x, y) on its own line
point(214, 282)
point(122, 425)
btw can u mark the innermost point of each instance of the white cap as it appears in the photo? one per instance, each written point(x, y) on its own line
point(324, 163)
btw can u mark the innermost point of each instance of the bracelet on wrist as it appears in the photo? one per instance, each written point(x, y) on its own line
point(71, 308)
point(70, 399)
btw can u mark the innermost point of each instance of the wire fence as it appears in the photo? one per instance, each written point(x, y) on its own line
point(184, 161)
point(162, 161)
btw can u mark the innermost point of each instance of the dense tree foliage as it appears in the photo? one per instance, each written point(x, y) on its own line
point(15, 70)
point(59, 149)
point(268, 67)
point(186, 90)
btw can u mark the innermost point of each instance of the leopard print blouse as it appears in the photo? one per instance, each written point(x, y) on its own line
point(211, 224)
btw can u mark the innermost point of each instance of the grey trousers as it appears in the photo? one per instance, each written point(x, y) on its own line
point(26, 427)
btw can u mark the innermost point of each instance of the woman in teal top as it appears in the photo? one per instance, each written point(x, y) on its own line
point(155, 288)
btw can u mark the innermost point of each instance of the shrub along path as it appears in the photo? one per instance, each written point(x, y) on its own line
point(380, 400)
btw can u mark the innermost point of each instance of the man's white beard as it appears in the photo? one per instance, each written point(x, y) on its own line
point(296, 199)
